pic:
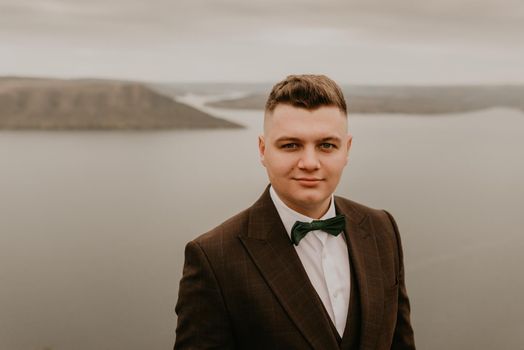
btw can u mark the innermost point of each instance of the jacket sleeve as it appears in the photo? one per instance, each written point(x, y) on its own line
point(202, 316)
point(403, 338)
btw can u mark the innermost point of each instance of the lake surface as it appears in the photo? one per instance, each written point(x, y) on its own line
point(93, 224)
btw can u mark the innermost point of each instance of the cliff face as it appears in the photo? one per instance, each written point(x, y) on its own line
point(94, 104)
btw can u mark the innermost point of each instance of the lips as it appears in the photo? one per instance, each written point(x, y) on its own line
point(308, 181)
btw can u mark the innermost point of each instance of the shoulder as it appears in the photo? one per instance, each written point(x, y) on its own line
point(378, 222)
point(225, 233)
point(253, 219)
point(361, 212)
point(221, 249)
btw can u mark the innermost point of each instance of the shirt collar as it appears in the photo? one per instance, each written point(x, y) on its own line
point(289, 216)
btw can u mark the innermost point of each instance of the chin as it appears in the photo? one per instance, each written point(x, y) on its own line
point(311, 199)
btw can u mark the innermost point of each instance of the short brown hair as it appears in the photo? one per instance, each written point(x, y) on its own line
point(306, 91)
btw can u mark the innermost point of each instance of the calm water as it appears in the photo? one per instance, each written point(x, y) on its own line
point(93, 224)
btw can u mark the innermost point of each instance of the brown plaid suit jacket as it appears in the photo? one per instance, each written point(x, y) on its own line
point(244, 287)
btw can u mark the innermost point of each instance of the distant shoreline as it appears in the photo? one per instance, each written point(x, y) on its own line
point(87, 104)
point(408, 99)
point(93, 104)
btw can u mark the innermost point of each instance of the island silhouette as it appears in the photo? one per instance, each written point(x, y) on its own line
point(93, 104)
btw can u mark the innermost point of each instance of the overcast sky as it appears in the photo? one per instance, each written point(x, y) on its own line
point(353, 41)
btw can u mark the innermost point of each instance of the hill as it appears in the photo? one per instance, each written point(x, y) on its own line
point(30, 103)
point(409, 99)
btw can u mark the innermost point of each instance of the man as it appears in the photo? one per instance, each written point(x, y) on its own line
point(301, 268)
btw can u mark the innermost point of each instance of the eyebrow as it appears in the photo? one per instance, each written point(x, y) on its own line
point(296, 139)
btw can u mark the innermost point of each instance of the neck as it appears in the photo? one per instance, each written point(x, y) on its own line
point(313, 211)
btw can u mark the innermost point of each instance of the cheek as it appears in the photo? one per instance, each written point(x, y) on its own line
point(336, 165)
point(279, 164)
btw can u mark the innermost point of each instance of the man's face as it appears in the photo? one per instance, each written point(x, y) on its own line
point(304, 152)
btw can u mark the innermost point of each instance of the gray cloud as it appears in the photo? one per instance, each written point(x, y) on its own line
point(193, 30)
point(211, 15)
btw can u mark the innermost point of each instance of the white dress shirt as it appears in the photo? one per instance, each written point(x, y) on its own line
point(325, 259)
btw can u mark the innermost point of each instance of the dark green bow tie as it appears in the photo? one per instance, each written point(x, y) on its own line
point(332, 226)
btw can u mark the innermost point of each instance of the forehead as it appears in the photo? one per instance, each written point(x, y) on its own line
point(298, 122)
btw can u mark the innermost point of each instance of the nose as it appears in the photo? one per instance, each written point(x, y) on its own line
point(308, 160)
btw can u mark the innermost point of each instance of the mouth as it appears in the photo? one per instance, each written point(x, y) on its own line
point(308, 181)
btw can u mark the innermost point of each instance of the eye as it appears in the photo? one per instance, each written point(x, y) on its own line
point(327, 146)
point(290, 145)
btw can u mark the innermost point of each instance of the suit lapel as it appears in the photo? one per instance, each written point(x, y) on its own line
point(364, 256)
point(273, 253)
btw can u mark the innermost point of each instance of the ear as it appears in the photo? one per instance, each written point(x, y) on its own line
point(348, 146)
point(350, 139)
point(261, 148)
